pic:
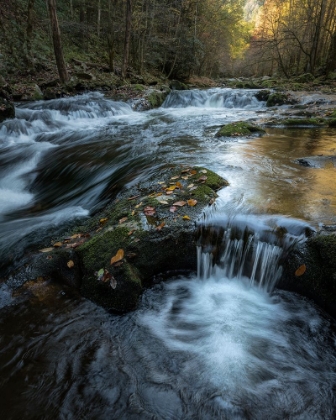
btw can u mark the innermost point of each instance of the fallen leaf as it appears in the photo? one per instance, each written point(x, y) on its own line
point(163, 202)
point(70, 264)
point(193, 188)
point(203, 171)
point(113, 282)
point(118, 264)
point(49, 257)
point(46, 249)
point(106, 276)
point(190, 186)
point(169, 192)
point(131, 232)
point(118, 256)
point(301, 270)
point(58, 244)
point(122, 220)
point(149, 211)
point(172, 188)
point(134, 197)
point(185, 177)
point(104, 220)
point(203, 178)
point(179, 185)
point(161, 182)
point(186, 218)
point(193, 172)
point(173, 209)
point(138, 205)
point(161, 225)
point(192, 202)
point(133, 212)
point(77, 235)
point(180, 203)
point(158, 194)
point(174, 177)
point(184, 171)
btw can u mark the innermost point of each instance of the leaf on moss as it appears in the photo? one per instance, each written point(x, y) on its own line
point(123, 220)
point(58, 244)
point(186, 217)
point(149, 211)
point(180, 203)
point(134, 197)
point(179, 185)
point(138, 205)
point(173, 209)
point(301, 270)
point(104, 220)
point(193, 172)
point(118, 256)
point(46, 249)
point(70, 264)
point(192, 202)
point(203, 178)
point(172, 188)
point(161, 225)
point(174, 177)
point(190, 186)
point(203, 171)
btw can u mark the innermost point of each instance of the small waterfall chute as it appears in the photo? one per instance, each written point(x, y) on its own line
point(247, 246)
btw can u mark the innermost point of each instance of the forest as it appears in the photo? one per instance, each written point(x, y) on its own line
point(175, 38)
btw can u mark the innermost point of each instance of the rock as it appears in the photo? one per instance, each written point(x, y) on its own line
point(318, 282)
point(177, 85)
point(27, 92)
point(7, 109)
point(155, 237)
point(317, 161)
point(240, 128)
point(263, 95)
point(305, 78)
point(85, 76)
point(278, 98)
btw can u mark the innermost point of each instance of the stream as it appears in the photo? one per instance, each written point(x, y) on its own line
point(222, 343)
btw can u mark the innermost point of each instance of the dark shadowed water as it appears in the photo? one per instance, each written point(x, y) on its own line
point(218, 346)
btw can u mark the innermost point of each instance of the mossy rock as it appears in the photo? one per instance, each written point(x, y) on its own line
point(263, 95)
point(155, 98)
point(278, 98)
point(7, 109)
point(239, 128)
point(177, 85)
point(305, 78)
point(318, 282)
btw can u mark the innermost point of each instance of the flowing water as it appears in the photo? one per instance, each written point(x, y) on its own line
point(220, 344)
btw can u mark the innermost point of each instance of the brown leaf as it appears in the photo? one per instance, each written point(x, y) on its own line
point(106, 276)
point(301, 270)
point(122, 220)
point(149, 211)
point(172, 188)
point(185, 171)
point(173, 209)
point(70, 264)
point(169, 192)
point(58, 244)
point(203, 178)
point(118, 256)
point(131, 232)
point(192, 202)
point(193, 172)
point(179, 185)
point(104, 220)
point(180, 203)
point(186, 218)
point(161, 225)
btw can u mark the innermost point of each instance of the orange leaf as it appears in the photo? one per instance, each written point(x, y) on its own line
point(192, 202)
point(161, 225)
point(118, 256)
point(301, 270)
point(179, 185)
point(180, 203)
point(193, 172)
point(172, 188)
point(70, 264)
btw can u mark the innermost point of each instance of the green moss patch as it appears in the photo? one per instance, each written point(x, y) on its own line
point(239, 128)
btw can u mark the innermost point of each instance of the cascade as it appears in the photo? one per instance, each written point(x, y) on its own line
point(247, 246)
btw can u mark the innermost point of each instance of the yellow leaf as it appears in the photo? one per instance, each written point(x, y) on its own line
point(138, 205)
point(301, 270)
point(161, 225)
point(172, 188)
point(104, 220)
point(179, 185)
point(70, 264)
point(58, 244)
point(186, 218)
point(192, 202)
point(118, 256)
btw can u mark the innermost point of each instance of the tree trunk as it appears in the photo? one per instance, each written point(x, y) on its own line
point(127, 37)
point(331, 61)
point(56, 37)
point(29, 33)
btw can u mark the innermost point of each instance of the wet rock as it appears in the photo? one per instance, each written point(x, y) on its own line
point(240, 128)
point(27, 92)
point(7, 109)
point(278, 98)
point(318, 282)
point(263, 95)
point(177, 85)
point(317, 161)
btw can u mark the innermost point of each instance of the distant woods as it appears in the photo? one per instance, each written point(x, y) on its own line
point(178, 38)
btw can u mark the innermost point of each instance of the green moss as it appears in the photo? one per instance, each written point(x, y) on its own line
point(139, 87)
point(305, 78)
point(239, 128)
point(156, 98)
point(277, 98)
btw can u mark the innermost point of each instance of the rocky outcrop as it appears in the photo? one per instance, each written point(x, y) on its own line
point(239, 128)
point(114, 255)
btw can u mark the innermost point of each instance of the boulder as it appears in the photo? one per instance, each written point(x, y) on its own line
point(7, 109)
point(239, 128)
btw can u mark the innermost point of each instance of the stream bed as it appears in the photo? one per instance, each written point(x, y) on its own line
point(216, 346)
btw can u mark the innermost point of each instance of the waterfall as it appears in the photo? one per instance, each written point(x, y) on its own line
point(213, 98)
point(249, 248)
